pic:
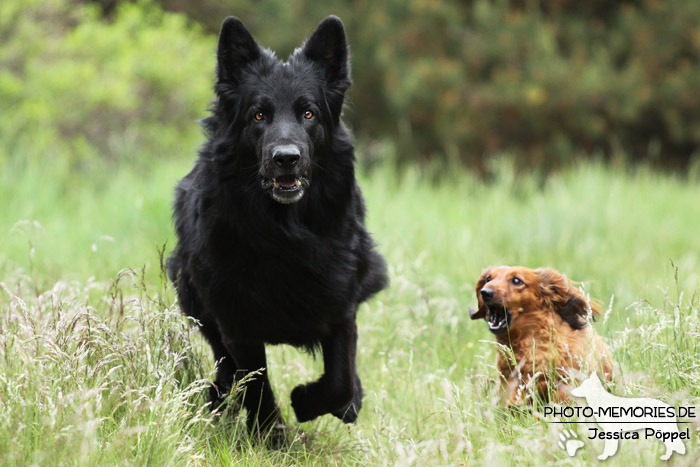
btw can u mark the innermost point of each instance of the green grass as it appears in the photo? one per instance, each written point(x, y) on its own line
point(96, 365)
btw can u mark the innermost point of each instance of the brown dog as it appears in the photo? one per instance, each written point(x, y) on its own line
point(545, 321)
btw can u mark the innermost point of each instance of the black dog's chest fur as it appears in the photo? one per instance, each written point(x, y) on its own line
point(292, 291)
point(302, 301)
point(278, 274)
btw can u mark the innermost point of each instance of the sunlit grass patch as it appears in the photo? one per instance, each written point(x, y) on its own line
point(99, 367)
point(95, 372)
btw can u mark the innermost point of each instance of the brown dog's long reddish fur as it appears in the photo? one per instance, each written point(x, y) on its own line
point(545, 320)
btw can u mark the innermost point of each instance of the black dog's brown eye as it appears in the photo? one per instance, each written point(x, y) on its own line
point(259, 116)
point(516, 281)
point(308, 115)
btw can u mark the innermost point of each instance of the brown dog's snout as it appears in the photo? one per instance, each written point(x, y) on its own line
point(487, 294)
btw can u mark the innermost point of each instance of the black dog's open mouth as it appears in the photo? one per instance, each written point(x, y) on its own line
point(286, 189)
point(498, 318)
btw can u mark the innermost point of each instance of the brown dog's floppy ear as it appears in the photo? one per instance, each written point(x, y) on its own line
point(480, 312)
point(563, 298)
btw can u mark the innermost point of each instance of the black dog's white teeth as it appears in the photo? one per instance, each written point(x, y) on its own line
point(286, 182)
point(286, 189)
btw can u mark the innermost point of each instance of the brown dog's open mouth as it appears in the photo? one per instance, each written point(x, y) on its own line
point(498, 318)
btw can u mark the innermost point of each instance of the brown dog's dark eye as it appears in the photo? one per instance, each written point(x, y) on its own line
point(516, 281)
point(488, 279)
point(259, 116)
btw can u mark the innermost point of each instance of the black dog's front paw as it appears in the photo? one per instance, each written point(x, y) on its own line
point(314, 399)
point(278, 436)
point(303, 402)
point(219, 398)
point(348, 414)
point(269, 430)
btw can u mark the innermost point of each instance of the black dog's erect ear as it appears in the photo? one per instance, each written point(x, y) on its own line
point(328, 47)
point(236, 49)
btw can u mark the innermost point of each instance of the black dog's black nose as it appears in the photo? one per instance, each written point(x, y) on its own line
point(286, 156)
point(486, 294)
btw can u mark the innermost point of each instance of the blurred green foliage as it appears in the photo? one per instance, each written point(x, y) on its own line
point(74, 86)
point(540, 80)
point(448, 81)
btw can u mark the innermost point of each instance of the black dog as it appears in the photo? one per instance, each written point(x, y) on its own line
point(272, 243)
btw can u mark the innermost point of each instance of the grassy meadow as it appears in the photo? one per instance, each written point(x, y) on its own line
point(98, 366)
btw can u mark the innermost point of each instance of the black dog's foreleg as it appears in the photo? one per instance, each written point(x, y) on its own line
point(192, 306)
point(258, 398)
point(225, 368)
point(339, 390)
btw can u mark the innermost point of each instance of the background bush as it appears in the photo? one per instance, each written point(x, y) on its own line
point(541, 80)
point(435, 80)
point(74, 87)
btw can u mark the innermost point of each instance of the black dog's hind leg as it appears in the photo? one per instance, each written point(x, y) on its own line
point(258, 398)
point(339, 390)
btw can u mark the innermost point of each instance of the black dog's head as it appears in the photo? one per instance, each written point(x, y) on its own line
point(283, 113)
